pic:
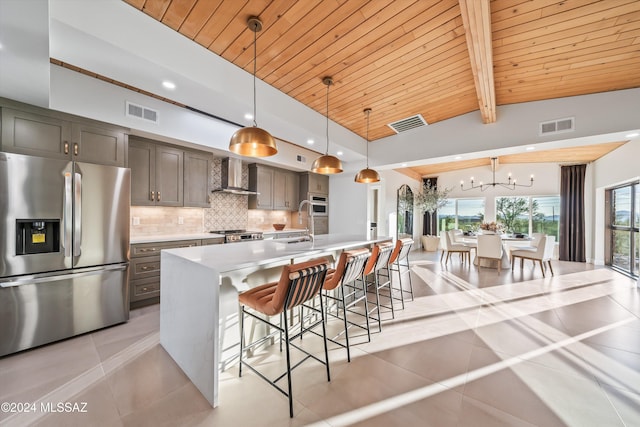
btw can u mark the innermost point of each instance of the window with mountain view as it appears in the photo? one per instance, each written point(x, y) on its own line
point(527, 215)
point(463, 214)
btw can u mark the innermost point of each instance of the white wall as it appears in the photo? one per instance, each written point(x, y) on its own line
point(618, 167)
point(347, 205)
point(24, 51)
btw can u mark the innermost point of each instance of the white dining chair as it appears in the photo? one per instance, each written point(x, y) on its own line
point(542, 254)
point(490, 248)
point(448, 247)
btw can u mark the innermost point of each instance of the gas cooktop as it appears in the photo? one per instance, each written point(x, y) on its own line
point(231, 236)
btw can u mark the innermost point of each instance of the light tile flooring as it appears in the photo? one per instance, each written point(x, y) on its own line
point(474, 349)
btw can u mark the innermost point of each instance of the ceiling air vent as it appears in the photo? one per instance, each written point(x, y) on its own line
point(557, 126)
point(140, 112)
point(408, 123)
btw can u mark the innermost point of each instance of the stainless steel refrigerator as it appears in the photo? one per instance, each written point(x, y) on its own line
point(64, 249)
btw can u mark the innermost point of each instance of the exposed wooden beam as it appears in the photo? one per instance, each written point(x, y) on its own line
point(476, 18)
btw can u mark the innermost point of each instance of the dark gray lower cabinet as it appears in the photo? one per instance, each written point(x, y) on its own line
point(144, 272)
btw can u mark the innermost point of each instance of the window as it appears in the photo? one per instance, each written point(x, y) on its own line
point(464, 214)
point(624, 228)
point(546, 217)
point(529, 215)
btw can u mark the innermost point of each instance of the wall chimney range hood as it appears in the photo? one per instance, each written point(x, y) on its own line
point(231, 177)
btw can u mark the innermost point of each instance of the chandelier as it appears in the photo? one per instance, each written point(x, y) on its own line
point(510, 184)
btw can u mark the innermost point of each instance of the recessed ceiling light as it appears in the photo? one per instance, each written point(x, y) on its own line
point(404, 165)
point(530, 148)
point(310, 141)
point(168, 85)
point(339, 153)
point(248, 116)
point(458, 157)
point(632, 135)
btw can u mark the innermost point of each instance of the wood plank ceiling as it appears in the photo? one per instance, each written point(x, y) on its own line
point(436, 58)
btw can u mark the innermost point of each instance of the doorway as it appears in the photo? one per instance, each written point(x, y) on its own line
point(623, 228)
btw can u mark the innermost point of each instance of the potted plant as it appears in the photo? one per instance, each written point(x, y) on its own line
point(429, 199)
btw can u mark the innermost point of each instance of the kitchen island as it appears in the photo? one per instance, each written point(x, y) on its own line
point(199, 287)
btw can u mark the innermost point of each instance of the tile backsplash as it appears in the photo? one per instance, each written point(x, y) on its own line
point(263, 220)
point(150, 220)
point(228, 211)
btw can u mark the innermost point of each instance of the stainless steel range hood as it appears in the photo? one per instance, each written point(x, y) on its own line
point(231, 177)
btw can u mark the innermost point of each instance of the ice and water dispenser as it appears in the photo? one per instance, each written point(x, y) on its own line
point(37, 236)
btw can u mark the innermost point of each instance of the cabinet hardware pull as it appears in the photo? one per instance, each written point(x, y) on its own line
point(145, 268)
point(158, 196)
point(144, 289)
point(153, 196)
point(148, 250)
point(76, 149)
point(66, 147)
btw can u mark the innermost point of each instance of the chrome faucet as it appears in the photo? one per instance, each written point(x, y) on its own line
point(312, 233)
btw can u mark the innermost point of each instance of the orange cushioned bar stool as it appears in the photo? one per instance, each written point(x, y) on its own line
point(399, 263)
point(298, 284)
point(346, 280)
point(379, 260)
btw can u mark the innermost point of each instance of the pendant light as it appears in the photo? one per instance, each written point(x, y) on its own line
point(366, 176)
point(327, 164)
point(253, 141)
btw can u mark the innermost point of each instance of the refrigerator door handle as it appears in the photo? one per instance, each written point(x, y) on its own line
point(67, 215)
point(56, 276)
point(77, 217)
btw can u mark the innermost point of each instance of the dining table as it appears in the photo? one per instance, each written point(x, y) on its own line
point(508, 241)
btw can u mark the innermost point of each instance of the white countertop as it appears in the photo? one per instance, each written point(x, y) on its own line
point(173, 237)
point(258, 252)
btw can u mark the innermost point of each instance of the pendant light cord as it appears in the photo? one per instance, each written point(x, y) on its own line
point(328, 84)
point(255, 54)
point(367, 139)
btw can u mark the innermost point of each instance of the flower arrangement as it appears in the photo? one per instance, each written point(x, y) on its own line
point(429, 198)
point(491, 226)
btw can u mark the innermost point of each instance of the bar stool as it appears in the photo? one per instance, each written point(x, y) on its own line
point(379, 260)
point(399, 260)
point(344, 280)
point(298, 284)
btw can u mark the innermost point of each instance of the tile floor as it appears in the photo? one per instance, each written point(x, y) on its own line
point(474, 349)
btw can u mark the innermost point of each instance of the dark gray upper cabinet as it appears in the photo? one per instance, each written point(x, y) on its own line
point(169, 176)
point(285, 190)
point(261, 181)
point(44, 133)
point(277, 188)
point(197, 170)
point(164, 175)
point(313, 183)
point(35, 134)
point(156, 174)
point(93, 144)
point(142, 161)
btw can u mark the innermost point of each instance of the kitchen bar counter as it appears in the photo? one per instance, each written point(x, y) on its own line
point(192, 280)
